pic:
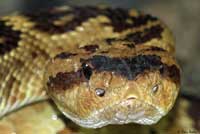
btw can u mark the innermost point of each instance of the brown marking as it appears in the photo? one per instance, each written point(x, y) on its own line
point(90, 48)
point(45, 20)
point(154, 48)
point(138, 38)
point(147, 35)
point(172, 72)
point(120, 16)
point(64, 55)
point(9, 38)
point(34, 55)
point(130, 67)
point(124, 42)
point(109, 41)
point(64, 81)
point(129, 45)
point(104, 52)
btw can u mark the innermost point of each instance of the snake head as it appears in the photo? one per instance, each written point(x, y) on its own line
point(114, 86)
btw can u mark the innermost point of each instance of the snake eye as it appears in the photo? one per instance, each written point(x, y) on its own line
point(87, 71)
point(100, 92)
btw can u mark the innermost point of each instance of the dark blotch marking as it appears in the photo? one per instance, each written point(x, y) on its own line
point(90, 48)
point(120, 16)
point(10, 38)
point(64, 55)
point(64, 81)
point(138, 38)
point(154, 48)
point(104, 52)
point(130, 67)
point(130, 45)
point(87, 71)
point(45, 19)
point(109, 41)
point(147, 35)
point(171, 71)
point(34, 54)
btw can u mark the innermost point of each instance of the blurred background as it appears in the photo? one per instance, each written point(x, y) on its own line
point(182, 16)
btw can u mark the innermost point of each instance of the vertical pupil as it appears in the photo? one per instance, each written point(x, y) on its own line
point(87, 71)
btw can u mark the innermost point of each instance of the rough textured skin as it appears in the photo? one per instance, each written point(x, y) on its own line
point(101, 66)
point(45, 119)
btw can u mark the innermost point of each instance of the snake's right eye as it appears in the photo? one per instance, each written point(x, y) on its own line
point(87, 71)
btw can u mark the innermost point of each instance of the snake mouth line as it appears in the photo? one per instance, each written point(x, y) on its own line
point(129, 110)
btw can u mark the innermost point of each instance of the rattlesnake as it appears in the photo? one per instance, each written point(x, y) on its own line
point(99, 65)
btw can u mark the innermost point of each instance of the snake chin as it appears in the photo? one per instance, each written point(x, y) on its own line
point(126, 111)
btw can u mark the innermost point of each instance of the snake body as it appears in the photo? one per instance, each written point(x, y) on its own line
point(99, 65)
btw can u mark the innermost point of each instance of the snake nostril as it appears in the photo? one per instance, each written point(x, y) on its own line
point(100, 92)
point(155, 88)
point(131, 98)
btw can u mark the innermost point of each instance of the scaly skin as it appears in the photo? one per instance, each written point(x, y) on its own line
point(101, 66)
point(45, 119)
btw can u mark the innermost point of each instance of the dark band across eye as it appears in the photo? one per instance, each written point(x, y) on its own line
point(87, 71)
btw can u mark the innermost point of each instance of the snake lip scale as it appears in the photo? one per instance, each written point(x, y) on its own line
point(100, 65)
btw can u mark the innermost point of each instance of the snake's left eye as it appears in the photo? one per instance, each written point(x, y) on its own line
point(87, 71)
